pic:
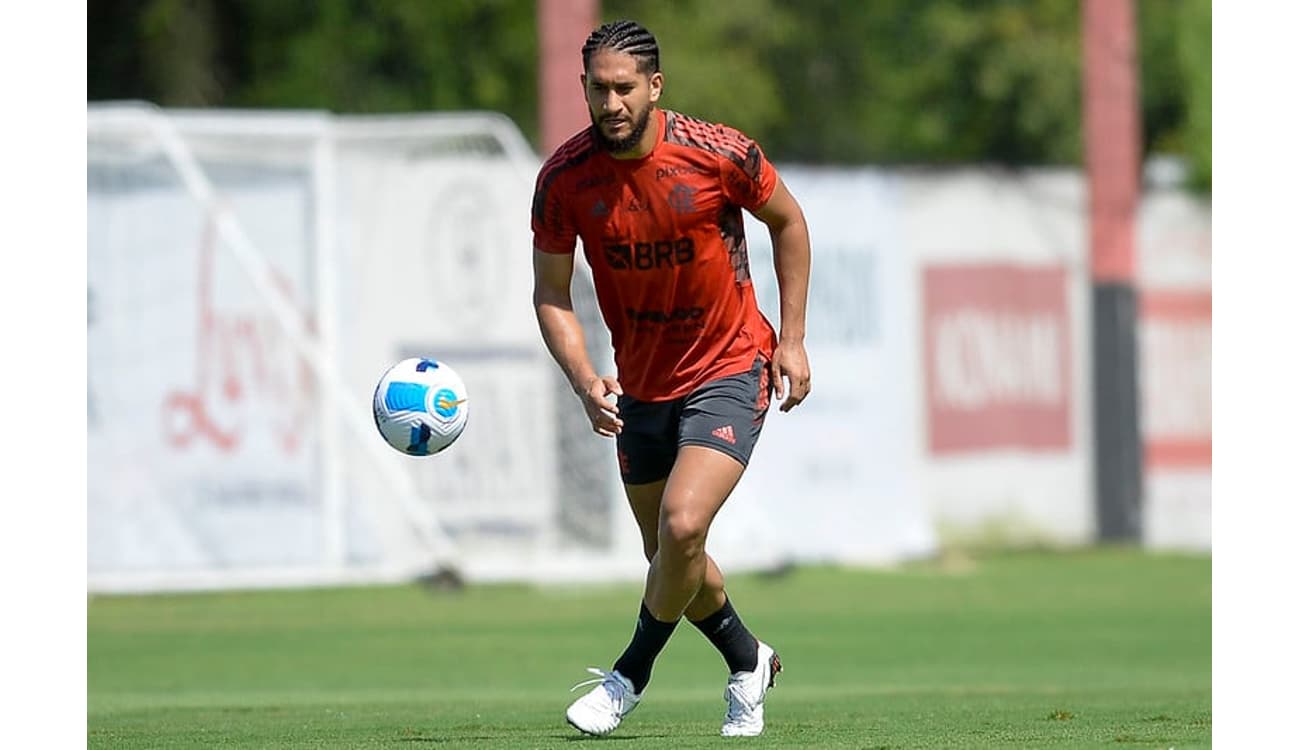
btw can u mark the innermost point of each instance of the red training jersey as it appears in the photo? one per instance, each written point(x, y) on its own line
point(665, 239)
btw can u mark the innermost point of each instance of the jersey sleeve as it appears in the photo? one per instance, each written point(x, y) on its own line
point(553, 230)
point(748, 178)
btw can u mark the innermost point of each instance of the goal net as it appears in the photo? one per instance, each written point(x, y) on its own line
point(250, 277)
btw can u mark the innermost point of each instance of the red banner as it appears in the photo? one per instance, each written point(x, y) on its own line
point(1176, 426)
point(997, 358)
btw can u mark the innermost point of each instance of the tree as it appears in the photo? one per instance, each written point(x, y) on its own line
point(820, 81)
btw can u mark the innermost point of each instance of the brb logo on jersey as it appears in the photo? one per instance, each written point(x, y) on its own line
point(647, 256)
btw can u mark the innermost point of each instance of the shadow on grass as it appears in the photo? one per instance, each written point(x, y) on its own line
point(565, 737)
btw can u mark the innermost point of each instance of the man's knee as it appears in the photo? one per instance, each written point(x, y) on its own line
point(682, 533)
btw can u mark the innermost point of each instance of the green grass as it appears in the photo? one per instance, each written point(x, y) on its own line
point(1106, 648)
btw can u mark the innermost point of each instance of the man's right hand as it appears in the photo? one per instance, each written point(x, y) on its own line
point(600, 399)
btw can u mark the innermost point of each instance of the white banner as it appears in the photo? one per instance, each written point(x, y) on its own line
point(437, 263)
point(1176, 323)
point(836, 478)
point(201, 445)
point(1010, 462)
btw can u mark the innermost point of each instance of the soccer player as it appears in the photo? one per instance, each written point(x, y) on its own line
point(656, 197)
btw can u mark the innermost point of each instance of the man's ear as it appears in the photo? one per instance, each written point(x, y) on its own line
point(656, 85)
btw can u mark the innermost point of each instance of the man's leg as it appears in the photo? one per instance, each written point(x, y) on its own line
point(652, 632)
point(674, 515)
point(700, 482)
point(647, 448)
point(645, 500)
point(711, 610)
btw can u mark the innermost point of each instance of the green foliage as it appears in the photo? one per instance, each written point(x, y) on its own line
point(941, 82)
point(717, 65)
point(1194, 35)
point(819, 81)
point(339, 55)
point(395, 56)
point(1175, 62)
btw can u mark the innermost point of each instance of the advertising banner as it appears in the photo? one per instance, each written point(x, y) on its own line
point(997, 357)
point(202, 442)
point(1175, 374)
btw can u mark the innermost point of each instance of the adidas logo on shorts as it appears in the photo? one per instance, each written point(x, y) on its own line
point(726, 433)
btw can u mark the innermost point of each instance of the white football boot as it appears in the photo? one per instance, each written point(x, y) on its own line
point(745, 693)
point(600, 711)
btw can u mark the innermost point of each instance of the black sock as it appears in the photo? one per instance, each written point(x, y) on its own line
point(639, 657)
point(730, 636)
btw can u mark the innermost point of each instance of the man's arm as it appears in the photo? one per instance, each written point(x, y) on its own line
point(552, 275)
point(792, 254)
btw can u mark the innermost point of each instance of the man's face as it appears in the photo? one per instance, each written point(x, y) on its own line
point(619, 98)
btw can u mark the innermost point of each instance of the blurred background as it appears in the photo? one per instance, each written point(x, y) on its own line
point(936, 82)
point(1009, 316)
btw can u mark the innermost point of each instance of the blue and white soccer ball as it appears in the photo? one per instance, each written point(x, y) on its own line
point(421, 406)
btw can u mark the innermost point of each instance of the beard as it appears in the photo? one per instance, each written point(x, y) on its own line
point(628, 142)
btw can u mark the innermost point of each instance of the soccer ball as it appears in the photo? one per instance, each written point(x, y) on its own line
point(421, 406)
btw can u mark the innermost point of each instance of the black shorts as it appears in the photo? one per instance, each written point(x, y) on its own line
point(725, 414)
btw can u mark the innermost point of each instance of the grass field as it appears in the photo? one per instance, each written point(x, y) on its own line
point(1098, 649)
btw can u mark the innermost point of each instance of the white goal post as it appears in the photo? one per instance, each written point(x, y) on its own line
point(251, 275)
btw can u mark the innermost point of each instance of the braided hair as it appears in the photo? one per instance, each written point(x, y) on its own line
point(624, 36)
